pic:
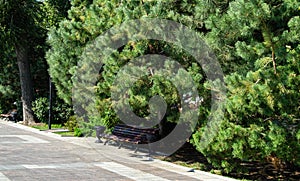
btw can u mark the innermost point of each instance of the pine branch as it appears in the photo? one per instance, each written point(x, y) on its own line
point(273, 58)
point(269, 43)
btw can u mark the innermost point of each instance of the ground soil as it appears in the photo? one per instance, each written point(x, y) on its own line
point(188, 156)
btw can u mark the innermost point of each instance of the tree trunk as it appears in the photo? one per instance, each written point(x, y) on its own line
point(26, 82)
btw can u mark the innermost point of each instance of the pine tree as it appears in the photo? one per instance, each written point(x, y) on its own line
point(18, 22)
point(257, 43)
point(87, 21)
point(23, 31)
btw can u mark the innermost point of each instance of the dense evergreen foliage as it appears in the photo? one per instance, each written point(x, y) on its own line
point(257, 44)
point(9, 81)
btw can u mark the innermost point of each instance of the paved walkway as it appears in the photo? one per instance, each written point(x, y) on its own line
point(29, 154)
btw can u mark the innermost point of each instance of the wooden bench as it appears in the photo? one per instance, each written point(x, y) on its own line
point(129, 134)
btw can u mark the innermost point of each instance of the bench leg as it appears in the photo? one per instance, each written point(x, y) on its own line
point(98, 141)
point(120, 145)
point(106, 141)
point(136, 149)
point(151, 152)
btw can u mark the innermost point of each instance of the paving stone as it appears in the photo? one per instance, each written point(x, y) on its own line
point(28, 155)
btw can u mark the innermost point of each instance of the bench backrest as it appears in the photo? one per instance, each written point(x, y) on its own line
point(143, 135)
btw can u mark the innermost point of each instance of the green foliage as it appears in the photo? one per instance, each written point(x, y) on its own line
point(78, 132)
point(60, 111)
point(72, 123)
point(256, 42)
point(13, 16)
point(73, 126)
point(87, 21)
point(67, 43)
point(45, 126)
point(9, 81)
point(17, 17)
point(25, 22)
point(40, 108)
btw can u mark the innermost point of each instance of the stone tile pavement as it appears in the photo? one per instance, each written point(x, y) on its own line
point(30, 154)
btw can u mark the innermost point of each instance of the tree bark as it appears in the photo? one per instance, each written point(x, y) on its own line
point(26, 82)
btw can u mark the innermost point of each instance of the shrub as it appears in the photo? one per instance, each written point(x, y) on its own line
point(60, 111)
point(40, 108)
point(78, 132)
point(72, 123)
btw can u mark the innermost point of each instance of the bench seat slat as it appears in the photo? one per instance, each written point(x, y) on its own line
point(130, 134)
